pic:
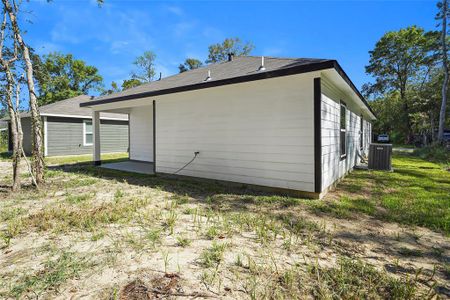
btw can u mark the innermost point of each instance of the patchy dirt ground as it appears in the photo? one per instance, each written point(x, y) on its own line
point(99, 234)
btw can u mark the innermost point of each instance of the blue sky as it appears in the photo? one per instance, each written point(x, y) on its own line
point(111, 37)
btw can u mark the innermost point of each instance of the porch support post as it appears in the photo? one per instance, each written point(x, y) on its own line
point(154, 137)
point(45, 137)
point(96, 137)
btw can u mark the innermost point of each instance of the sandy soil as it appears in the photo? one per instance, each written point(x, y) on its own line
point(124, 264)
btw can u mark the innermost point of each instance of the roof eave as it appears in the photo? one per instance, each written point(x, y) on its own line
point(347, 79)
point(203, 85)
point(328, 64)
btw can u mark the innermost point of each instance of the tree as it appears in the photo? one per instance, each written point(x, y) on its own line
point(8, 58)
point(113, 89)
point(190, 64)
point(146, 67)
point(36, 124)
point(10, 83)
point(61, 76)
point(130, 83)
point(442, 16)
point(219, 52)
point(400, 58)
point(126, 84)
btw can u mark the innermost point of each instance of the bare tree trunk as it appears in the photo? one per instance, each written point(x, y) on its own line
point(445, 66)
point(36, 124)
point(16, 127)
point(16, 155)
point(433, 134)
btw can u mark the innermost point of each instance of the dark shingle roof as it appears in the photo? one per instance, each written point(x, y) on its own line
point(240, 69)
point(239, 66)
point(71, 107)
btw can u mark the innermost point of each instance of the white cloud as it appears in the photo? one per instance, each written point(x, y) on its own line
point(181, 29)
point(176, 10)
point(118, 46)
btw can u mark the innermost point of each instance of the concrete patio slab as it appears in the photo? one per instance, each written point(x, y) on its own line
point(131, 166)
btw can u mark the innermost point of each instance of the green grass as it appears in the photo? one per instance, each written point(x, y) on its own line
point(55, 272)
point(355, 280)
point(212, 256)
point(77, 159)
point(416, 193)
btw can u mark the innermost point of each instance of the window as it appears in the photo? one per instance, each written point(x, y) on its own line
point(87, 133)
point(361, 133)
point(343, 131)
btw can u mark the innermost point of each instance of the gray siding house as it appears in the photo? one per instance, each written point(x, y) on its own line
point(67, 129)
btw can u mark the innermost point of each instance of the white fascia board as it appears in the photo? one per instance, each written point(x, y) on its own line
point(81, 117)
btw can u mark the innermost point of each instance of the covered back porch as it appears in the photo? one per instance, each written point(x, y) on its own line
point(141, 133)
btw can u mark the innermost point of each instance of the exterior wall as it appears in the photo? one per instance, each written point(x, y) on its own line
point(258, 132)
point(333, 167)
point(65, 136)
point(141, 133)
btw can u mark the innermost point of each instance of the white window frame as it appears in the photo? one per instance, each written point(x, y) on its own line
point(361, 133)
point(85, 132)
point(342, 104)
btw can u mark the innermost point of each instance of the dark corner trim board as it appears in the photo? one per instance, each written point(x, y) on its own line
point(154, 137)
point(317, 136)
point(328, 64)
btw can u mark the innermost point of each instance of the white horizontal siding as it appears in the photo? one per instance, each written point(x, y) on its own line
point(141, 133)
point(256, 133)
point(333, 167)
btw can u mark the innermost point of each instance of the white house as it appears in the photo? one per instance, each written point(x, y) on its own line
point(292, 124)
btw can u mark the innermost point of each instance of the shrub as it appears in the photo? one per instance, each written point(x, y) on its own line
point(435, 153)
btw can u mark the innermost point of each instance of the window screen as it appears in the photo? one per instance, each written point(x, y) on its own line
point(88, 136)
point(343, 130)
point(361, 133)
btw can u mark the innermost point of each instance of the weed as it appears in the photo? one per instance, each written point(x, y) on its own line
point(55, 272)
point(211, 257)
point(212, 232)
point(11, 213)
point(239, 262)
point(180, 200)
point(153, 236)
point(170, 220)
point(183, 241)
point(75, 199)
point(97, 235)
point(166, 259)
point(118, 195)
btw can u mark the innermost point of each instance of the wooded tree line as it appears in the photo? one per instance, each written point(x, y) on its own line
point(410, 91)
